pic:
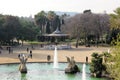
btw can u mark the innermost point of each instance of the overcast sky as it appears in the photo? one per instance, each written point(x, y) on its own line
point(31, 7)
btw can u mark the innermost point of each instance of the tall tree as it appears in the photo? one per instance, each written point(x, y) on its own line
point(88, 26)
point(11, 27)
point(28, 30)
point(113, 66)
point(115, 25)
point(40, 19)
point(2, 20)
point(96, 66)
point(56, 23)
point(51, 18)
point(48, 28)
point(115, 19)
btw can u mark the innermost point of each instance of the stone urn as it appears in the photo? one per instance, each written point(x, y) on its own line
point(72, 67)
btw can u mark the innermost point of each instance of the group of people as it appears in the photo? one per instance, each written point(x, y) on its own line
point(9, 49)
point(28, 51)
point(0, 51)
point(30, 54)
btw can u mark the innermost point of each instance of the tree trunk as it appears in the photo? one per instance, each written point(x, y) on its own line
point(22, 42)
point(77, 42)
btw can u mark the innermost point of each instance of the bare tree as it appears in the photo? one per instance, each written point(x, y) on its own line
point(87, 26)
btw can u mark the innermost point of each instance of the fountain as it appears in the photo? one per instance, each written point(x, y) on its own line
point(72, 67)
point(23, 59)
point(83, 72)
point(55, 62)
point(42, 71)
point(56, 34)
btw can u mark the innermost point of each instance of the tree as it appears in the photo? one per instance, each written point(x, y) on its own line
point(28, 30)
point(97, 66)
point(113, 66)
point(114, 24)
point(48, 28)
point(48, 22)
point(115, 19)
point(51, 15)
point(2, 20)
point(40, 19)
point(10, 28)
point(87, 27)
point(55, 21)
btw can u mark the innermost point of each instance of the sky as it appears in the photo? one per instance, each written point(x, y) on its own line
point(32, 7)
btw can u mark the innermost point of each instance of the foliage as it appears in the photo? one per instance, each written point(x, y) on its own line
point(12, 27)
point(114, 24)
point(40, 20)
point(115, 19)
point(48, 22)
point(2, 20)
point(106, 56)
point(9, 28)
point(97, 66)
point(36, 42)
point(113, 67)
point(88, 26)
point(28, 30)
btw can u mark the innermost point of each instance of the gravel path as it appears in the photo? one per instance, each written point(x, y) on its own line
point(40, 55)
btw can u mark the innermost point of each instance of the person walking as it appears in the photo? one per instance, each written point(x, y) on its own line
point(9, 50)
point(27, 49)
point(86, 59)
point(31, 54)
point(48, 58)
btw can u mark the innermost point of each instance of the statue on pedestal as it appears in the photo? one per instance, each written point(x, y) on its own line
point(72, 67)
point(23, 59)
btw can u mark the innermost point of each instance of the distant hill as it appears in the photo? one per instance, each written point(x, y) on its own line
point(68, 13)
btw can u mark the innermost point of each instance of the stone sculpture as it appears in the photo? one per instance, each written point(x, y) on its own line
point(72, 67)
point(23, 59)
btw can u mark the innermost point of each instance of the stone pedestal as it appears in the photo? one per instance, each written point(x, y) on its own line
point(72, 67)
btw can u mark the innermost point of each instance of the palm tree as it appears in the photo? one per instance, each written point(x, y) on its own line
point(40, 20)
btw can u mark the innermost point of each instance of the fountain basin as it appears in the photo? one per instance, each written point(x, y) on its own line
point(42, 71)
point(59, 47)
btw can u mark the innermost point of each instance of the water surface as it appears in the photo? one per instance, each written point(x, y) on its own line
point(42, 71)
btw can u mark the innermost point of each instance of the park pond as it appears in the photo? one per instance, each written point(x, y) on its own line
point(44, 71)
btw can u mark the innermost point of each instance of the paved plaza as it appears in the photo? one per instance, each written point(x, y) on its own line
point(40, 54)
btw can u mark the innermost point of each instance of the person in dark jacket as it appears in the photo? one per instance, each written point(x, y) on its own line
point(31, 54)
